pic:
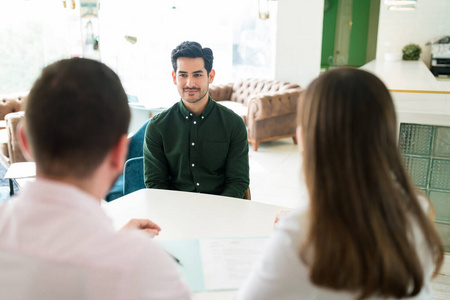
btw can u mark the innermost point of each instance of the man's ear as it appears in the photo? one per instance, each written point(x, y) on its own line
point(212, 74)
point(23, 142)
point(174, 77)
point(119, 153)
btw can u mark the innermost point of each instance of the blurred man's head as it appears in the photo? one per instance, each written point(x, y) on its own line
point(75, 113)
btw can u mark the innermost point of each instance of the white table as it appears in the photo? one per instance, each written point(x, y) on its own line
point(21, 173)
point(183, 215)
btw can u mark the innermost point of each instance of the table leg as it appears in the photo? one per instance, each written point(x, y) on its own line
point(11, 187)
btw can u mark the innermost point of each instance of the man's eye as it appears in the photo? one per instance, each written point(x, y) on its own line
point(198, 75)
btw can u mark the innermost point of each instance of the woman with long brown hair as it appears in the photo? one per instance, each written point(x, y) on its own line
point(366, 233)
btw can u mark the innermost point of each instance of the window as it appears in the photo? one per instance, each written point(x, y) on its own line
point(34, 34)
point(137, 37)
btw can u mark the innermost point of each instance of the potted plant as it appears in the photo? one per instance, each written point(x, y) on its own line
point(411, 52)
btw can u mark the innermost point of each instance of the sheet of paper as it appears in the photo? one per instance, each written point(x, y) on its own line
point(188, 252)
point(228, 261)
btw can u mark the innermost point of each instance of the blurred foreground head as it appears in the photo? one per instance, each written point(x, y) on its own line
point(363, 206)
point(76, 112)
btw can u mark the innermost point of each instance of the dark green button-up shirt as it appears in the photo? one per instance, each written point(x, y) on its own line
point(207, 153)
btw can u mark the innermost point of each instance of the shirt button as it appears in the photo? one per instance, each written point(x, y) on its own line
point(198, 184)
point(193, 165)
point(187, 117)
point(193, 144)
point(203, 117)
point(195, 122)
point(190, 115)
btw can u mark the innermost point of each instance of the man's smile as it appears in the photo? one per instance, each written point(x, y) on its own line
point(190, 91)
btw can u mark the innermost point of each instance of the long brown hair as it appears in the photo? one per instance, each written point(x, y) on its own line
point(362, 203)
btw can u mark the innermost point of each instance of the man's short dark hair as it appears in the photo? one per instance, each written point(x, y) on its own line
point(76, 111)
point(193, 50)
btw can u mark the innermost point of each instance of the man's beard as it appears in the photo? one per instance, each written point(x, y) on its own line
point(196, 100)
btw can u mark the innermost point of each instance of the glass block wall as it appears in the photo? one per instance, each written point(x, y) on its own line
point(426, 152)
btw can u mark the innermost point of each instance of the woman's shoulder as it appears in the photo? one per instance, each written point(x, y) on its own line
point(294, 224)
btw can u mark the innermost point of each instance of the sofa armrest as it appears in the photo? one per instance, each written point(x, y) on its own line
point(264, 106)
point(15, 153)
point(221, 92)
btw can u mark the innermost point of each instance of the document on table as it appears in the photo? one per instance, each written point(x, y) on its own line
point(215, 264)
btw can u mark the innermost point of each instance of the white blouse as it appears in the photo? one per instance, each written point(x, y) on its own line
point(281, 275)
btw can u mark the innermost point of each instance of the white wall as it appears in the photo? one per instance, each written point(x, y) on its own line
point(299, 41)
point(396, 29)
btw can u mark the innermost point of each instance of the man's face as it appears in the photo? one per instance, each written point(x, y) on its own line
point(191, 79)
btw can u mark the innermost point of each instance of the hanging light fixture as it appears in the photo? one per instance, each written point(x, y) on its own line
point(263, 9)
point(64, 2)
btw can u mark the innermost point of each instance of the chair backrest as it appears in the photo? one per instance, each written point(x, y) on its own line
point(137, 142)
point(133, 175)
point(248, 195)
point(135, 149)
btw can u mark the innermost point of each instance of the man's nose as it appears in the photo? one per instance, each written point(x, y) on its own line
point(190, 82)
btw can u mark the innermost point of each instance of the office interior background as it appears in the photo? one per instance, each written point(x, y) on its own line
point(291, 40)
point(288, 40)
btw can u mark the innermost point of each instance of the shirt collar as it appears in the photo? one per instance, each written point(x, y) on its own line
point(187, 114)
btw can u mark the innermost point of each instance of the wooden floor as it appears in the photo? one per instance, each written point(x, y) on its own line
point(441, 283)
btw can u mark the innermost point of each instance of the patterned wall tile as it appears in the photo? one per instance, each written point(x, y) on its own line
point(440, 174)
point(444, 231)
point(418, 169)
point(416, 139)
point(442, 142)
point(441, 203)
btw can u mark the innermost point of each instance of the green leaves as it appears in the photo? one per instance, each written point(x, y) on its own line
point(411, 52)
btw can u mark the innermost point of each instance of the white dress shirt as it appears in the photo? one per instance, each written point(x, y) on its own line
point(56, 242)
point(281, 275)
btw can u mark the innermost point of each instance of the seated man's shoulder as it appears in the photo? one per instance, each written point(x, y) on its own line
point(164, 116)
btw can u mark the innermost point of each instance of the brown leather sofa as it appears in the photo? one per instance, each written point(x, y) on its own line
point(272, 107)
point(10, 115)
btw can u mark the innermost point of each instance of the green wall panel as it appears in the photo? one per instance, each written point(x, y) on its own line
point(329, 32)
point(360, 28)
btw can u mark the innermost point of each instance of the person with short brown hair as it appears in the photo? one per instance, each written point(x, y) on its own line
point(56, 242)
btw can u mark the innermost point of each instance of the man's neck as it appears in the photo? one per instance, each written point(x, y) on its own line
point(85, 185)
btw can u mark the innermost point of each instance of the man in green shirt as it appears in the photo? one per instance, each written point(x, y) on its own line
point(196, 145)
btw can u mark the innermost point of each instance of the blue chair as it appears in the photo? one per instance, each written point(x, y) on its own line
point(133, 175)
point(135, 149)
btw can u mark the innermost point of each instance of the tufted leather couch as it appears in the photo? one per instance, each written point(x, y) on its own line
point(272, 107)
point(10, 115)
